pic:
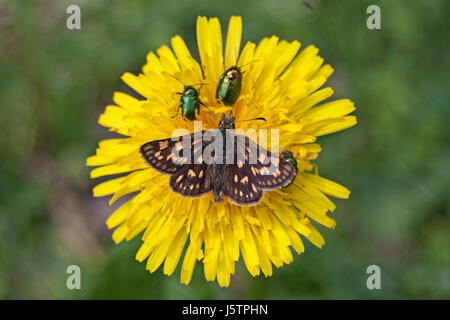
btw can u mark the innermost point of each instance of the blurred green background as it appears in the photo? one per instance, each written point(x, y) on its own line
point(54, 83)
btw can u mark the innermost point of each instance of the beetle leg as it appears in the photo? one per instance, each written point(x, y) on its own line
point(179, 107)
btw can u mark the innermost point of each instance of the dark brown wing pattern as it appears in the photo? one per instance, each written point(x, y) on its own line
point(252, 174)
point(243, 181)
point(166, 156)
point(188, 171)
point(192, 181)
point(270, 171)
point(240, 186)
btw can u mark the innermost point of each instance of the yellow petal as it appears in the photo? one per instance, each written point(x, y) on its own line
point(333, 126)
point(174, 253)
point(250, 253)
point(120, 215)
point(312, 100)
point(133, 82)
point(326, 186)
point(187, 268)
point(107, 187)
point(120, 233)
point(233, 41)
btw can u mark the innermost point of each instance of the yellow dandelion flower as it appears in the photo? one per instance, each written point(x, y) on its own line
point(278, 84)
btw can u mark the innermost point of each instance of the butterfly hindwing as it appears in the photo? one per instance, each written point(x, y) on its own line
point(240, 186)
point(192, 180)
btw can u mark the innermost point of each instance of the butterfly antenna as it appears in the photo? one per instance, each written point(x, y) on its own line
point(201, 85)
point(252, 120)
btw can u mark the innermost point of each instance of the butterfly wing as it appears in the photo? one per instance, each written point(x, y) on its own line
point(188, 176)
point(244, 181)
point(166, 155)
point(251, 174)
point(270, 172)
point(240, 186)
point(192, 181)
point(158, 155)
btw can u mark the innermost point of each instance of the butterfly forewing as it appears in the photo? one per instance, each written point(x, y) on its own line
point(281, 176)
point(270, 171)
point(254, 170)
point(167, 155)
point(158, 155)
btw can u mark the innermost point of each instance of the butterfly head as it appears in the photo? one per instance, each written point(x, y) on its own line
point(227, 122)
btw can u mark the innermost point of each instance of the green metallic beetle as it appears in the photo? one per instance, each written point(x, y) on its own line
point(190, 103)
point(229, 86)
point(289, 157)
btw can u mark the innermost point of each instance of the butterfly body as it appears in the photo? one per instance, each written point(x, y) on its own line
point(221, 171)
point(229, 86)
point(234, 177)
point(218, 181)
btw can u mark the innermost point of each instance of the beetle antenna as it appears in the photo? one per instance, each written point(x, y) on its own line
point(177, 79)
point(201, 85)
point(248, 63)
point(209, 109)
point(237, 54)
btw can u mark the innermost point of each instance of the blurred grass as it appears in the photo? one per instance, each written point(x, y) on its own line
point(54, 83)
